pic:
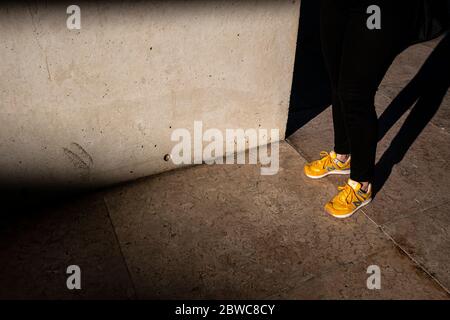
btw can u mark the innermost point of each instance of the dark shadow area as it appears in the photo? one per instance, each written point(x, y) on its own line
point(310, 93)
point(28, 201)
point(426, 92)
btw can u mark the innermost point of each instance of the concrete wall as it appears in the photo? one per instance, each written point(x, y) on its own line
point(98, 105)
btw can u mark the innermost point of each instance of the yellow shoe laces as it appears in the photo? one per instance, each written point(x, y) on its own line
point(347, 194)
point(326, 160)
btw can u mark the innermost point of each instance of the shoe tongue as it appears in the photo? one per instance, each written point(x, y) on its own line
point(355, 185)
point(333, 155)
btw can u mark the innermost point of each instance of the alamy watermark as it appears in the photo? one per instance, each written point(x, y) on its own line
point(374, 280)
point(374, 20)
point(190, 148)
point(74, 280)
point(73, 21)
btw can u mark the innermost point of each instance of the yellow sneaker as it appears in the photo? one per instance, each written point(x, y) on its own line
point(349, 200)
point(327, 165)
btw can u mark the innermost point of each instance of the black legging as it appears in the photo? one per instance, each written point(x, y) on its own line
point(357, 59)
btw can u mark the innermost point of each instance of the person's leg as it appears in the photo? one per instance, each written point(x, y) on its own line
point(332, 28)
point(367, 54)
point(333, 23)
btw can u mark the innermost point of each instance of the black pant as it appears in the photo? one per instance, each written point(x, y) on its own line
point(357, 59)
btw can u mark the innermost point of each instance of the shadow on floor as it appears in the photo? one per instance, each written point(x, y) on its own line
point(426, 92)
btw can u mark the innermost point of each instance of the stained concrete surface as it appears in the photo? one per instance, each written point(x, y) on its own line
point(96, 106)
point(259, 234)
point(225, 231)
point(209, 232)
point(38, 245)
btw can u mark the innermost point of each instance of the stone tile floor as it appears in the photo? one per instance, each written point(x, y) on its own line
point(226, 232)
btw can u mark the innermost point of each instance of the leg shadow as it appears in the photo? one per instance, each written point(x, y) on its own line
point(426, 90)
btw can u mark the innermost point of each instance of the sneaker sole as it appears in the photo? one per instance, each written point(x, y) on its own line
point(365, 203)
point(338, 172)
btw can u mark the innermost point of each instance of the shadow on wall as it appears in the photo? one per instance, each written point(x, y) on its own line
point(426, 92)
point(311, 93)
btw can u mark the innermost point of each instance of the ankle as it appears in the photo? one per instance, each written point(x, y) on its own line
point(342, 157)
point(364, 186)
